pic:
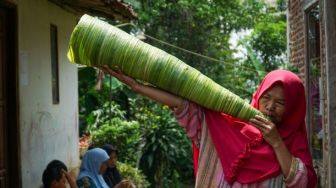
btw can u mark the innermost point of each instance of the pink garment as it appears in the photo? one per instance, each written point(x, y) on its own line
point(245, 157)
point(293, 128)
point(209, 169)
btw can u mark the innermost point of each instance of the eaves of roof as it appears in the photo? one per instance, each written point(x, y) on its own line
point(109, 9)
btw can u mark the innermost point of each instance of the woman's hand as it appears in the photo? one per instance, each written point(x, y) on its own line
point(268, 129)
point(124, 184)
point(71, 180)
point(120, 76)
point(272, 136)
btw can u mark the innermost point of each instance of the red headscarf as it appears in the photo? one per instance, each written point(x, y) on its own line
point(244, 155)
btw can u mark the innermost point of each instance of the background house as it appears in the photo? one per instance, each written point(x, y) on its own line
point(312, 48)
point(38, 86)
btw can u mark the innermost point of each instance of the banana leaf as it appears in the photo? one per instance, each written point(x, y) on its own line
point(94, 43)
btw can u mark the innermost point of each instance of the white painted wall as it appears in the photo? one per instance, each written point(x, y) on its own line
point(47, 131)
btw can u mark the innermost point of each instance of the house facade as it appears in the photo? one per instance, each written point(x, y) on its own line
point(38, 85)
point(312, 49)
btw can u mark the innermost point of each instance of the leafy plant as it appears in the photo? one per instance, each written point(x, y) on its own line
point(265, 49)
point(89, 98)
point(104, 115)
point(125, 135)
point(100, 102)
point(166, 152)
point(133, 174)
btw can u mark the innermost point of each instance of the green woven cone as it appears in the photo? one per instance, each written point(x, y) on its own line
point(95, 43)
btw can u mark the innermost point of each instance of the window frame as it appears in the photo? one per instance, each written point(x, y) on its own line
point(54, 64)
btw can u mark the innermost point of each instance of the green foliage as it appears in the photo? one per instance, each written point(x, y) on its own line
point(114, 115)
point(269, 40)
point(281, 5)
point(265, 50)
point(125, 135)
point(166, 152)
point(103, 115)
point(159, 145)
point(133, 174)
point(199, 26)
point(205, 29)
point(89, 99)
point(99, 105)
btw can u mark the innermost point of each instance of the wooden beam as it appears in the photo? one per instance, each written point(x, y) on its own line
point(330, 34)
point(109, 9)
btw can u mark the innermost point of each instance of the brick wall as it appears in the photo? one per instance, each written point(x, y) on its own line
point(296, 36)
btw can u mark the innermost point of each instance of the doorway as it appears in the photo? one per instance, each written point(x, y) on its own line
point(10, 175)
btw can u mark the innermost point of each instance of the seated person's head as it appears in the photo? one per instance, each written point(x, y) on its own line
point(112, 152)
point(53, 176)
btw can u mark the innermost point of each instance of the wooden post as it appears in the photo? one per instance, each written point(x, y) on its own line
point(330, 34)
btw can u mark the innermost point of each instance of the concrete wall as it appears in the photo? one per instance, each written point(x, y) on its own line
point(47, 131)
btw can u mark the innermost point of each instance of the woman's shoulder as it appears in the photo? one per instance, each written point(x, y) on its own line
point(85, 182)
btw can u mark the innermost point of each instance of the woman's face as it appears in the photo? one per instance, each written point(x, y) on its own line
point(103, 167)
point(109, 163)
point(113, 159)
point(60, 183)
point(272, 103)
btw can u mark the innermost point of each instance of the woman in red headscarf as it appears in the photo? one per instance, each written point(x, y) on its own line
point(261, 153)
